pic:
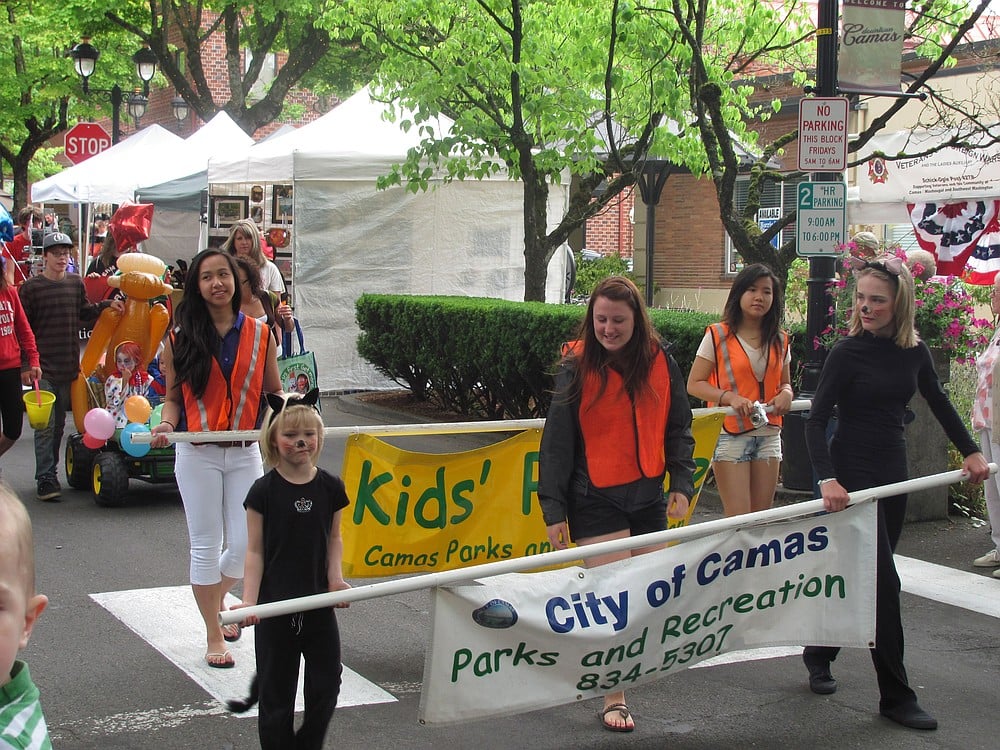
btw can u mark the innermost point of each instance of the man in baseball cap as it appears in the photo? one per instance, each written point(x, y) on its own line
point(56, 239)
point(55, 303)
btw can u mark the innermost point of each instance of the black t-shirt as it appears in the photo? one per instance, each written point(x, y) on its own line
point(297, 522)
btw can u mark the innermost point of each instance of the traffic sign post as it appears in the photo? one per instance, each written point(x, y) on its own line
point(823, 134)
point(821, 221)
point(84, 140)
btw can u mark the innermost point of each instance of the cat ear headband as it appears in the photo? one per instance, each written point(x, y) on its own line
point(891, 265)
point(278, 402)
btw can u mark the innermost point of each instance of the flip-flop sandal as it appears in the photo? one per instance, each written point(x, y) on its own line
point(626, 715)
point(227, 632)
point(227, 660)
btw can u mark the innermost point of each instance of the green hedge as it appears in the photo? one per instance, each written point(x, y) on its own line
point(487, 357)
point(494, 358)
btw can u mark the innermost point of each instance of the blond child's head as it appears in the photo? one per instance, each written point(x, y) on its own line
point(20, 606)
point(292, 424)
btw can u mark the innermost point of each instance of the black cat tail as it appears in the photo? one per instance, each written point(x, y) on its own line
point(242, 706)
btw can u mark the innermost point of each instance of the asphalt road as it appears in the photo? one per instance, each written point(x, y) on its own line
point(103, 686)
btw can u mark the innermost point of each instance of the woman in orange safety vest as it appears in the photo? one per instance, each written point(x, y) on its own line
point(218, 365)
point(741, 361)
point(619, 420)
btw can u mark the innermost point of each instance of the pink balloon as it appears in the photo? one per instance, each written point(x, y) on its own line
point(91, 442)
point(99, 423)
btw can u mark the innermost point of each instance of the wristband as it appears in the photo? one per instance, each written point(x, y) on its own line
point(824, 481)
point(167, 421)
point(722, 396)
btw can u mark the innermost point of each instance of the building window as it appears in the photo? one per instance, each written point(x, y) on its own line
point(776, 200)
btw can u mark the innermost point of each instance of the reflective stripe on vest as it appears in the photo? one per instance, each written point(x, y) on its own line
point(733, 367)
point(625, 442)
point(233, 411)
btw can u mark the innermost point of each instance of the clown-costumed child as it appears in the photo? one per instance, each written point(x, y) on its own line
point(129, 379)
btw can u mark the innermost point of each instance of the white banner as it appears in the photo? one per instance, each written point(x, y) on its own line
point(951, 174)
point(521, 642)
point(871, 45)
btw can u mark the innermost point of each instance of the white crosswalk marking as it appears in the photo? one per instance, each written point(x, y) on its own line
point(959, 588)
point(168, 620)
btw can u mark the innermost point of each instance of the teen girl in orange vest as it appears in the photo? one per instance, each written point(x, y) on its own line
point(744, 359)
point(218, 365)
point(619, 420)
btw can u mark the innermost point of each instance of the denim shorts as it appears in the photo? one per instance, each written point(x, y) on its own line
point(739, 449)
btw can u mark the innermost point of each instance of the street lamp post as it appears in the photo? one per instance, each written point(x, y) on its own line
point(85, 57)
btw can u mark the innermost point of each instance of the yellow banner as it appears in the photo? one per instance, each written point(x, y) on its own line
point(426, 512)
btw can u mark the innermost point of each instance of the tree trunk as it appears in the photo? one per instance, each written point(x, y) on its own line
point(537, 250)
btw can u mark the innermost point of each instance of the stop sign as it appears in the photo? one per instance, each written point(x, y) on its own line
point(85, 140)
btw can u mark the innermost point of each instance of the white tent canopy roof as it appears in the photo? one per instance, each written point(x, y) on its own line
point(352, 141)
point(112, 176)
point(220, 135)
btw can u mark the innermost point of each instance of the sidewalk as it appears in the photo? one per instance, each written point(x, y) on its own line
point(953, 542)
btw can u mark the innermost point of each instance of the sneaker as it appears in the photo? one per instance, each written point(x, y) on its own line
point(990, 560)
point(48, 489)
point(996, 573)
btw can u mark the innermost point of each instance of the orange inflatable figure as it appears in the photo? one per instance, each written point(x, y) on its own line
point(140, 277)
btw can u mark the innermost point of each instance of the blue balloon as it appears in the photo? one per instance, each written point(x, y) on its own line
point(136, 450)
point(6, 225)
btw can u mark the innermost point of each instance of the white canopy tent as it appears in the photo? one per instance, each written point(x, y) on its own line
point(349, 238)
point(112, 176)
point(179, 230)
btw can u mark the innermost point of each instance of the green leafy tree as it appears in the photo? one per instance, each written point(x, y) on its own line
point(724, 101)
point(35, 86)
point(538, 88)
point(251, 33)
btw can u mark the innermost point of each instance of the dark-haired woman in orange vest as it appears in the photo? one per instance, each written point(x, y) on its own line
point(619, 420)
point(743, 360)
point(218, 364)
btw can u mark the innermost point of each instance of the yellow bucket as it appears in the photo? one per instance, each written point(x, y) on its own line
point(38, 416)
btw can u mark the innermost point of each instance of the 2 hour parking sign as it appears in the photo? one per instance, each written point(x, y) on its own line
point(821, 221)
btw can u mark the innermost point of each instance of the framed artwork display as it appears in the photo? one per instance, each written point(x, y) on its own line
point(226, 210)
point(281, 204)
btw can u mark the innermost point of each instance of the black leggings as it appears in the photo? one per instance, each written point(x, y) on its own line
point(11, 403)
point(280, 643)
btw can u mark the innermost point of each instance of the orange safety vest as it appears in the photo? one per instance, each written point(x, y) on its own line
point(733, 372)
point(624, 441)
point(232, 404)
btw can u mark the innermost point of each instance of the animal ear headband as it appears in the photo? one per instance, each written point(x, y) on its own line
point(278, 402)
point(891, 265)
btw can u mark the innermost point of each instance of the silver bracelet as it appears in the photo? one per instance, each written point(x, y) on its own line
point(824, 481)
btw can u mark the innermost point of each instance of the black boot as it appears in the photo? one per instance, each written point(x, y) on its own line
point(910, 715)
point(821, 681)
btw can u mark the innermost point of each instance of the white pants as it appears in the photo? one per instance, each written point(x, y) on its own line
point(991, 451)
point(214, 483)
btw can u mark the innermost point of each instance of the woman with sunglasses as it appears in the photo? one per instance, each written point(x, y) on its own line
point(261, 304)
point(870, 376)
point(219, 364)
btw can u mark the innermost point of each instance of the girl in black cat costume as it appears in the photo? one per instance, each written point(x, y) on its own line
point(294, 549)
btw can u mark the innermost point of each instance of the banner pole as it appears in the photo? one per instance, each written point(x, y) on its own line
point(403, 430)
point(557, 557)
